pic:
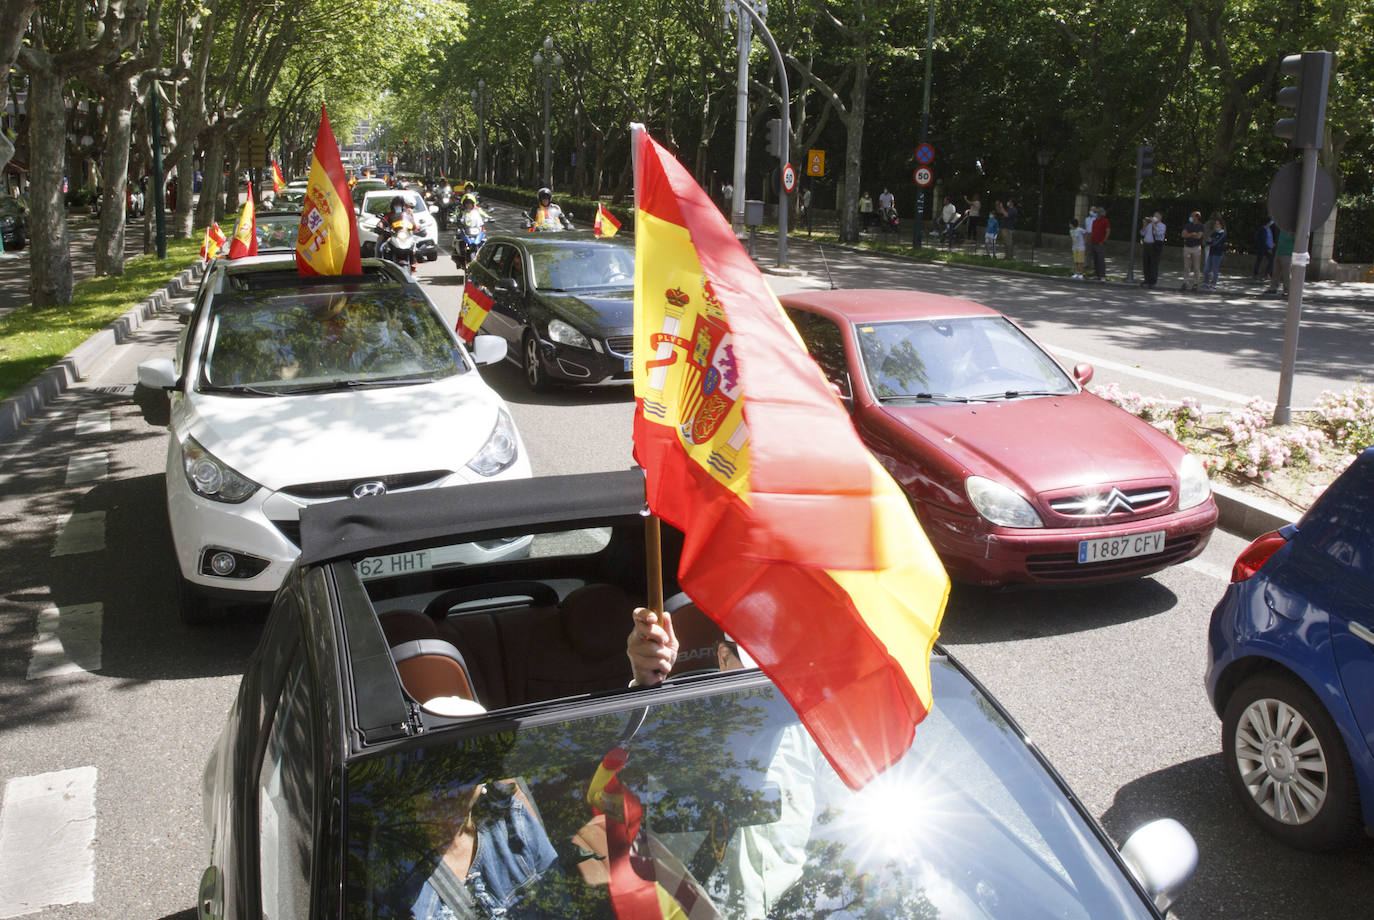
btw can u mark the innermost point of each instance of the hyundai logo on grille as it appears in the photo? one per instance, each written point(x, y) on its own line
point(364, 489)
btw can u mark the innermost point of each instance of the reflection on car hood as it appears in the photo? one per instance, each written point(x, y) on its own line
point(600, 313)
point(321, 437)
point(1045, 443)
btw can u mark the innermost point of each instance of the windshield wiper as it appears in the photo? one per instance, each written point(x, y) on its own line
point(1017, 394)
point(360, 384)
point(239, 389)
point(926, 397)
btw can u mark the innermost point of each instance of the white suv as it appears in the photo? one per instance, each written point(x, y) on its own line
point(286, 391)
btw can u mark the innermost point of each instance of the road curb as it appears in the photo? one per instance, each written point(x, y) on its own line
point(56, 380)
point(1248, 517)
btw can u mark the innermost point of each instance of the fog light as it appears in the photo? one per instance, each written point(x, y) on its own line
point(222, 563)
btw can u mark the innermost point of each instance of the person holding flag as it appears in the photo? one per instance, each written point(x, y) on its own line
point(327, 243)
point(604, 224)
point(245, 239)
point(214, 242)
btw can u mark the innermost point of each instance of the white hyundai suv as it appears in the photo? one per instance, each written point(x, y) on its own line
point(286, 391)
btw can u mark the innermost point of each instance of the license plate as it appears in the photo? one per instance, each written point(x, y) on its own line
point(1108, 548)
point(629, 364)
point(395, 564)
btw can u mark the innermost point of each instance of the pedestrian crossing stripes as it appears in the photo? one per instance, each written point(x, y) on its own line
point(82, 532)
point(88, 467)
point(68, 641)
point(47, 841)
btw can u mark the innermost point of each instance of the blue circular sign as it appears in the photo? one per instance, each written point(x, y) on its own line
point(925, 154)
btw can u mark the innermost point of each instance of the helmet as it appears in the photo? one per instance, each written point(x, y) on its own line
point(469, 186)
point(545, 193)
point(469, 202)
point(397, 202)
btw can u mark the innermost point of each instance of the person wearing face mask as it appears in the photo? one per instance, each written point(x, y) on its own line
point(398, 217)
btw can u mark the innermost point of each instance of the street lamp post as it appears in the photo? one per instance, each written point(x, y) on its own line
point(479, 96)
point(1043, 158)
point(554, 61)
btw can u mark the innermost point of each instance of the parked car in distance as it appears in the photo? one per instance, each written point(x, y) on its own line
point(564, 303)
point(1290, 670)
point(417, 739)
point(365, 185)
point(374, 206)
point(14, 222)
point(277, 230)
point(1016, 473)
point(288, 391)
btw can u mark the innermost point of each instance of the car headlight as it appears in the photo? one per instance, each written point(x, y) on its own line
point(1193, 485)
point(564, 334)
point(500, 451)
point(209, 478)
point(999, 504)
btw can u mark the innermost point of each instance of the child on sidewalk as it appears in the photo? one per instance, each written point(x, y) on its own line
point(1080, 254)
point(990, 236)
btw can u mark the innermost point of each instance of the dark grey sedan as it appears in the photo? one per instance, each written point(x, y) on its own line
point(564, 303)
point(419, 737)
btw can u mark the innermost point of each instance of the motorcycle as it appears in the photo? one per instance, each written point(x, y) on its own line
point(445, 207)
point(559, 220)
point(472, 233)
point(396, 241)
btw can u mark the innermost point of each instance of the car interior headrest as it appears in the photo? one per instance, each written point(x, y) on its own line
point(595, 619)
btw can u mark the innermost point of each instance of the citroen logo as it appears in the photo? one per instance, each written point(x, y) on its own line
point(1112, 502)
point(364, 489)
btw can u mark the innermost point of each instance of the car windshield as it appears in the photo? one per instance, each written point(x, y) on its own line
point(581, 266)
point(972, 357)
point(741, 817)
point(274, 343)
point(380, 204)
point(288, 197)
point(277, 231)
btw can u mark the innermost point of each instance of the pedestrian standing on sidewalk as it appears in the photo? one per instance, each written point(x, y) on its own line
point(1076, 235)
point(865, 211)
point(1008, 215)
point(1152, 235)
point(990, 236)
point(1102, 231)
point(1283, 263)
point(1264, 252)
point(1192, 252)
point(972, 213)
point(1216, 248)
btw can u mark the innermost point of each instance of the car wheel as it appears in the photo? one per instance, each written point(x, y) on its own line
point(194, 608)
point(368, 250)
point(1288, 763)
point(535, 378)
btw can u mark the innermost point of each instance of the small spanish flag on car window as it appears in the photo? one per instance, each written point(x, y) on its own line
point(476, 306)
point(278, 182)
point(245, 241)
point(214, 241)
point(604, 224)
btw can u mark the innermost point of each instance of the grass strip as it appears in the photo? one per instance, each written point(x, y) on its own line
point(32, 339)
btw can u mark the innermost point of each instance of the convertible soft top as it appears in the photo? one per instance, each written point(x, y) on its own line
point(356, 527)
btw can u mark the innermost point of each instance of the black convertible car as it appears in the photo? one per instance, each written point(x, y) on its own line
point(420, 738)
point(564, 303)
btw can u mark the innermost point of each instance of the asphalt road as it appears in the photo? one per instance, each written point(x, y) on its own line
point(1108, 681)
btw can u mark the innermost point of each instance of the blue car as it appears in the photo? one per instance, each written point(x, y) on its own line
point(1290, 670)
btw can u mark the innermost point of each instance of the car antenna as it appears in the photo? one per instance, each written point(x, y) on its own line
point(833, 285)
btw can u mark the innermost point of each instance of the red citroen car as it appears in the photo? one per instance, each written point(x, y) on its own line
point(1016, 473)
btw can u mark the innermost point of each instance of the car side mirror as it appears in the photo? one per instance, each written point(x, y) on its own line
point(507, 284)
point(1162, 855)
point(1083, 373)
point(434, 209)
point(158, 374)
point(488, 349)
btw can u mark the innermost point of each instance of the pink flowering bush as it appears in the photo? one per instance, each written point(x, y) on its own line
point(1347, 418)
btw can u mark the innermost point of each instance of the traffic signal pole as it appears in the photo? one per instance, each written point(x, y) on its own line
point(783, 148)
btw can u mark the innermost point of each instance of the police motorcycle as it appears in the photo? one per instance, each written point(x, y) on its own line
point(445, 205)
point(547, 216)
point(396, 236)
point(471, 233)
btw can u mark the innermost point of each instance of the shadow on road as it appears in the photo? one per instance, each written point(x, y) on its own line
point(984, 615)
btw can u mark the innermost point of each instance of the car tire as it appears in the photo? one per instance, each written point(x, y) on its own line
point(535, 378)
point(194, 608)
point(1285, 758)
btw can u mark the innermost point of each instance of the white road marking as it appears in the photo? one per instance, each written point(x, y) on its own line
point(1192, 387)
point(1220, 573)
point(47, 841)
point(88, 467)
point(83, 532)
point(88, 423)
point(68, 640)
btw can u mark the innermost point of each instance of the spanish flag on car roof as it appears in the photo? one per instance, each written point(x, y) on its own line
point(245, 239)
point(327, 243)
point(798, 544)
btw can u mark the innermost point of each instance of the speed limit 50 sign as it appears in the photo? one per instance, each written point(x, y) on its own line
point(789, 179)
point(923, 176)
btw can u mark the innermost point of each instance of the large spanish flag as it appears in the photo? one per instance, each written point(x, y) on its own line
point(244, 242)
point(327, 243)
point(798, 543)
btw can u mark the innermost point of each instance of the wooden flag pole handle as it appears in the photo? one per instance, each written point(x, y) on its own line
point(653, 561)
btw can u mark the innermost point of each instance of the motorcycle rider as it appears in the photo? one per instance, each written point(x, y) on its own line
point(398, 216)
point(471, 224)
point(546, 215)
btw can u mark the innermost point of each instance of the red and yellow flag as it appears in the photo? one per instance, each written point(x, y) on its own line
point(476, 306)
point(798, 543)
point(245, 239)
point(604, 224)
point(214, 241)
point(278, 182)
point(327, 243)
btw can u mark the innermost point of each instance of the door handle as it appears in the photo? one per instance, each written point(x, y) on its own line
point(1364, 632)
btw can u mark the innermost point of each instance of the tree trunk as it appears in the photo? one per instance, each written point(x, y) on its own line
point(109, 238)
point(853, 148)
point(50, 258)
point(212, 181)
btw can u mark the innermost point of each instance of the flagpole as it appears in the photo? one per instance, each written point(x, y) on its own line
point(653, 560)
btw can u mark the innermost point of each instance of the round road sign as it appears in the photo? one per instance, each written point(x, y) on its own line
point(789, 179)
point(925, 154)
point(923, 176)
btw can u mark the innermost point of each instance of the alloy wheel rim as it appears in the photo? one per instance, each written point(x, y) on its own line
point(1281, 762)
point(532, 362)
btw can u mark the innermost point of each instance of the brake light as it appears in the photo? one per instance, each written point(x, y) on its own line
point(1256, 555)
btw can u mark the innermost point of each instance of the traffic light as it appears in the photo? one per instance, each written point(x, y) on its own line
point(775, 141)
point(1145, 160)
point(1307, 99)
